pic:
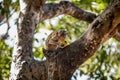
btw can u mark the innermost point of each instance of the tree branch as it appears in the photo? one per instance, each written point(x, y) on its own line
point(24, 66)
point(65, 7)
point(71, 57)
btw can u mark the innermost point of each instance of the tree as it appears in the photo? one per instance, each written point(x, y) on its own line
point(60, 64)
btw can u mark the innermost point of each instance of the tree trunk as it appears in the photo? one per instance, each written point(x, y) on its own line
point(60, 64)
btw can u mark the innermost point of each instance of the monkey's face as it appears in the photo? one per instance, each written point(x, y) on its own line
point(62, 35)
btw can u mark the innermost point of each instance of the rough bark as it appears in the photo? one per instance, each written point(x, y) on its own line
point(60, 64)
point(64, 7)
point(24, 67)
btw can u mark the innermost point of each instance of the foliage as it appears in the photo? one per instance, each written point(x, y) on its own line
point(5, 60)
point(103, 65)
point(92, 5)
point(8, 7)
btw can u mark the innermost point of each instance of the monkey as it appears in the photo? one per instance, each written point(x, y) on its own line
point(56, 40)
